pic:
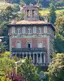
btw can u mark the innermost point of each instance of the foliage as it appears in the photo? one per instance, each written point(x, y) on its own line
point(59, 43)
point(52, 16)
point(28, 70)
point(46, 11)
point(58, 3)
point(6, 16)
point(59, 37)
point(56, 68)
point(6, 65)
point(16, 8)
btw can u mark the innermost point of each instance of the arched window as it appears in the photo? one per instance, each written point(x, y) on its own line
point(18, 44)
point(29, 44)
point(29, 30)
point(39, 30)
point(34, 29)
point(23, 30)
point(33, 13)
point(45, 29)
point(18, 30)
point(28, 13)
point(13, 29)
point(40, 44)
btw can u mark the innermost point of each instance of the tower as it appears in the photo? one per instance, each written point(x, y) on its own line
point(32, 37)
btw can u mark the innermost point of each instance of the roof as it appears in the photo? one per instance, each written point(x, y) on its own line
point(31, 23)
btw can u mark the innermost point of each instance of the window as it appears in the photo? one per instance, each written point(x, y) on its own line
point(23, 30)
point(40, 45)
point(39, 30)
point(29, 44)
point(45, 29)
point(13, 29)
point(18, 44)
point(29, 30)
point(34, 29)
point(18, 31)
point(28, 13)
point(32, 13)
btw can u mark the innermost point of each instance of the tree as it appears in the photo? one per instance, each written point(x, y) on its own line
point(59, 36)
point(16, 8)
point(28, 70)
point(52, 16)
point(6, 16)
point(56, 68)
point(6, 65)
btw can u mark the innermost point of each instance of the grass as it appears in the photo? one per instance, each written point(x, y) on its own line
point(45, 12)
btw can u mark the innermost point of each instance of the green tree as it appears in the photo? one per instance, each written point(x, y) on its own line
point(16, 8)
point(56, 68)
point(52, 16)
point(28, 70)
point(59, 36)
point(6, 16)
point(6, 64)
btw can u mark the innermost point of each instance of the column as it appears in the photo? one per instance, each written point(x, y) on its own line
point(26, 54)
point(30, 55)
point(37, 57)
point(33, 58)
point(40, 57)
point(16, 53)
point(23, 55)
point(44, 59)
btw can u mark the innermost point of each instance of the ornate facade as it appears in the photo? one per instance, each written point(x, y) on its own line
point(32, 37)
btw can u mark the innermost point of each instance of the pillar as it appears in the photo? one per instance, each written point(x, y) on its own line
point(37, 57)
point(44, 59)
point(26, 55)
point(23, 55)
point(30, 55)
point(33, 58)
point(40, 57)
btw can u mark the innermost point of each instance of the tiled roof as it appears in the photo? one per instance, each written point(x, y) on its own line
point(31, 22)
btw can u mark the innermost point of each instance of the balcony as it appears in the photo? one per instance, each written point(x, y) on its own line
point(41, 64)
point(28, 49)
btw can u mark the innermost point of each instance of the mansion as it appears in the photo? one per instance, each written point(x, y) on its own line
point(32, 37)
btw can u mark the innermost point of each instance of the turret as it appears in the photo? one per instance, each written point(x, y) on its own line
point(31, 12)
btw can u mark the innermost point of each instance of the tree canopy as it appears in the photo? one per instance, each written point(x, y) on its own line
point(59, 35)
point(6, 65)
point(56, 68)
point(28, 70)
point(52, 16)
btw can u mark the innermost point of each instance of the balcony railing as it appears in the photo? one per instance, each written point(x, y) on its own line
point(41, 64)
point(28, 49)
